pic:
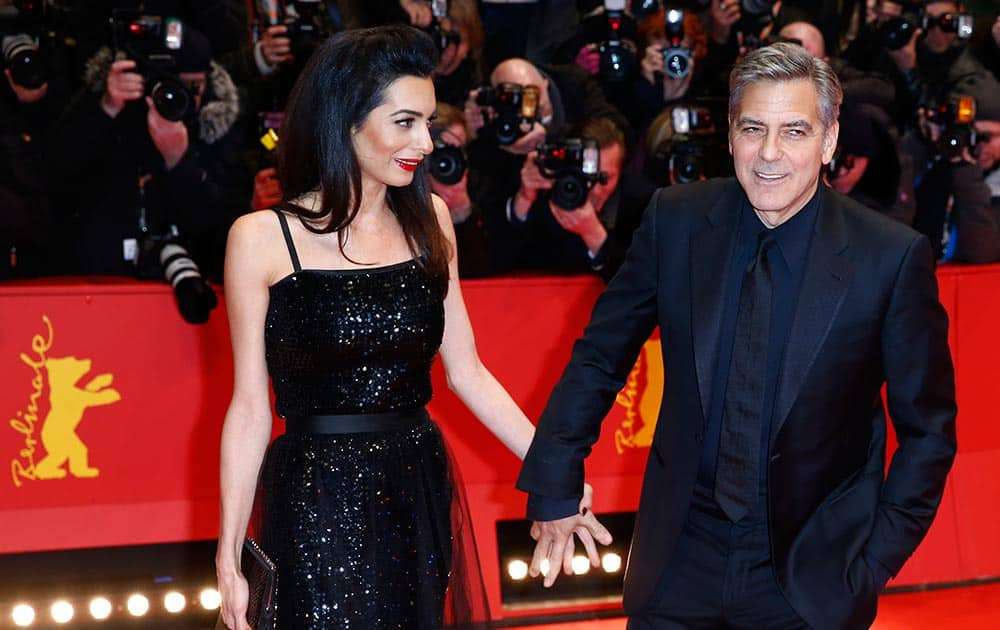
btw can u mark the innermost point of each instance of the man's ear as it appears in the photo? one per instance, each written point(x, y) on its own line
point(830, 141)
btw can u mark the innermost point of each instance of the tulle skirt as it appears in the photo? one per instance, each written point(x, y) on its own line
point(369, 531)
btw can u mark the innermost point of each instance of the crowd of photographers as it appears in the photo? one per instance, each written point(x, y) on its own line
point(132, 134)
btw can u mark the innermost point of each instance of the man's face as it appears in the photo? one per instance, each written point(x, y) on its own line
point(778, 145)
point(989, 149)
point(936, 40)
point(612, 159)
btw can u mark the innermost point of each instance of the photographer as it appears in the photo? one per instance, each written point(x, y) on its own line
point(32, 93)
point(541, 235)
point(530, 104)
point(959, 198)
point(130, 167)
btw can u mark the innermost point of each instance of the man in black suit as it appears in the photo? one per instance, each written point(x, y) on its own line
point(784, 307)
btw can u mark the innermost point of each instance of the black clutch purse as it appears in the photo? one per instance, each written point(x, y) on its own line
point(262, 578)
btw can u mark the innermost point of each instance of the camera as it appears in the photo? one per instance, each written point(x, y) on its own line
point(25, 61)
point(691, 119)
point(575, 165)
point(165, 256)
point(153, 42)
point(447, 163)
point(441, 35)
point(676, 58)
point(514, 107)
point(955, 118)
point(304, 25)
point(609, 30)
point(959, 23)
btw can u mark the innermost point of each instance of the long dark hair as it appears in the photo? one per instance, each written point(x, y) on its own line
point(344, 80)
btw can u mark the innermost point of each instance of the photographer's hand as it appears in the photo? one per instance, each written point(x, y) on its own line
point(419, 12)
point(723, 15)
point(170, 138)
point(123, 85)
point(529, 141)
point(589, 58)
point(583, 222)
point(275, 47)
point(473, 113)
point(532, 181)
point(266, 189)
point(906, 57)
point(456, 196)
point(25, 95)
point(652, 63)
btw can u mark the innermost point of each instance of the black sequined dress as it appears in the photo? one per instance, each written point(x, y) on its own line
point(366, 528)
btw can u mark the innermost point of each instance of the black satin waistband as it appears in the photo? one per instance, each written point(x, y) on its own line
point(356, 423)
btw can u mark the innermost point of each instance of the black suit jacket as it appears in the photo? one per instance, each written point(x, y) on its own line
point(868, 314)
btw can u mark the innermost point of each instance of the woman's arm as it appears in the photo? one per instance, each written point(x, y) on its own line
point(247, 428)
point(467, 376)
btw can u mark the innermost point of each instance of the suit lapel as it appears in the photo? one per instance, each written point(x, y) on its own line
point(824, 284)
point(711, 251)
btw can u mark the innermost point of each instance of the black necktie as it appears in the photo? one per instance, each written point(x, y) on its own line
point(736, 472)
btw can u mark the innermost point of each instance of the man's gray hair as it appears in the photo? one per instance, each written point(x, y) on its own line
point(782, 62)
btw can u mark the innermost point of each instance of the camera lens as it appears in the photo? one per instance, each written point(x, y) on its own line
point(685, 168)
point(569, 192)
point(896, 32)
point(447, 163)
point(170, 98)
point(508, 132)
point(615, 61)
point(24, 61)
point(676, 62)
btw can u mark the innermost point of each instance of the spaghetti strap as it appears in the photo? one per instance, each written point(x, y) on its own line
point(288, 239)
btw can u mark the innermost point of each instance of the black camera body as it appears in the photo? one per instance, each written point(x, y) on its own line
point(676, 58)
point(574, 164)
point(840, 159)
point(514, 107)
point(153, 42)
point(697, 148)
point(442, 36)
point(617, 60)
point(896, 32)
point(305, 25)
point(955, 117)
point(447, 162)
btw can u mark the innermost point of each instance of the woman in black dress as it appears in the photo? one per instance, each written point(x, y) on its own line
point(343, 296)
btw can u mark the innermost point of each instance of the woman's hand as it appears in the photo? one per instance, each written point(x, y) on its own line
point(235, 599)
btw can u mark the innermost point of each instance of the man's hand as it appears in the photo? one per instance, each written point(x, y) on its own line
point(275, 47)
point(170, 138)
point(589, 58)
point(554, 540)
point(419, 12)
point(532, 181)
point(529, 141)
point(906, 57)
point(473, 113)
point(123, 85)
point(455, 196)
point(723, 15)
point(25, 95)
point(583, 222)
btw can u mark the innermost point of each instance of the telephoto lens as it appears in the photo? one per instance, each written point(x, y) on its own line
point(24, 60)
point(448, 162)
point(195, 299)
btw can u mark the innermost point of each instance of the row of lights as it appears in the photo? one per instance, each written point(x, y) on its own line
point(101, 608)
point(610, 562)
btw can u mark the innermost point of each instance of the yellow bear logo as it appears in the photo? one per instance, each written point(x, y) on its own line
point(68, 402)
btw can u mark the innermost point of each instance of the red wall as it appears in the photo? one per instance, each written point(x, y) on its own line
point(156, 448)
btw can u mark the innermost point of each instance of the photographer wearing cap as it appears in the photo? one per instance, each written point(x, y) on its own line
point(557, 222)
point(147, 149)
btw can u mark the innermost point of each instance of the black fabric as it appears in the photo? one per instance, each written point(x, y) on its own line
point(356, 422)
point(739, 440)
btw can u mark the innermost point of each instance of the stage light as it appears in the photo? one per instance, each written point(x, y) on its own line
point(23, 615)
point(545, 566)
point(174, 602)
point(210, 599)
point(100, 608)
point(581, 564)
point(62, 611)
point(517, 569)
point(137, 605)
point(611, 562)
